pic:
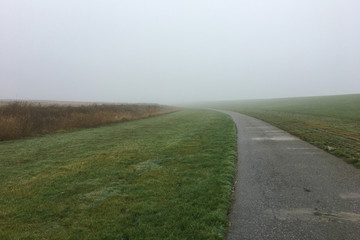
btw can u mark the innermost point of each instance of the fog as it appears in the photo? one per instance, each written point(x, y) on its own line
point(178, 51)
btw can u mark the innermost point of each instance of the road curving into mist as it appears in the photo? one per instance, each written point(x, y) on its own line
point(288, 189)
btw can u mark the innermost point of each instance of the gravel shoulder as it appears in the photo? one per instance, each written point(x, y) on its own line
point(288, 189)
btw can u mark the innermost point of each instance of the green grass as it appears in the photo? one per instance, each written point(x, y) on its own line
point(167, 177)
point(330, 122)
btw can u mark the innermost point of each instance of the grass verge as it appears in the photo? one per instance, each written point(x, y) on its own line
point(167, 177)
point(331, 122)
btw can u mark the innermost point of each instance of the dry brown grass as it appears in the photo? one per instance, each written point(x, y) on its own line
point(23, 119)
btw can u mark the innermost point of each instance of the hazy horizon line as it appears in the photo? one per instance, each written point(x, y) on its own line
point(184, 102)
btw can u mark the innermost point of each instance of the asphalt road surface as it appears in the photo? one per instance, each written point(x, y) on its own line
point(288, 189)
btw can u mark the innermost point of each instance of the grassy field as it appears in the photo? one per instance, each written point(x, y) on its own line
point(330, 122)
point(166, 177)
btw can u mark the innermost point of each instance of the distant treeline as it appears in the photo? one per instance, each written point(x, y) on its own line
point(24, 119)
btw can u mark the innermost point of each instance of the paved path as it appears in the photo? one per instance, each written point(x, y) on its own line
point(289, 189)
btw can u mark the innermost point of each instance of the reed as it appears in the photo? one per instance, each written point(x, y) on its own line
point(24, 119)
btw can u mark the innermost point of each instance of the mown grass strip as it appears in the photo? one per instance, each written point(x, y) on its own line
point(167, 177)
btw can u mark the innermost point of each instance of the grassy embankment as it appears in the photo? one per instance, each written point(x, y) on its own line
point(331, 122)
point(23, 119)
point(167, 177)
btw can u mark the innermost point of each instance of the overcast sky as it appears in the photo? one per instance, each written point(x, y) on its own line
point(170, 51)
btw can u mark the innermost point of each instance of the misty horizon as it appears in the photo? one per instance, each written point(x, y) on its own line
point(181, 103)
point(173, 52)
